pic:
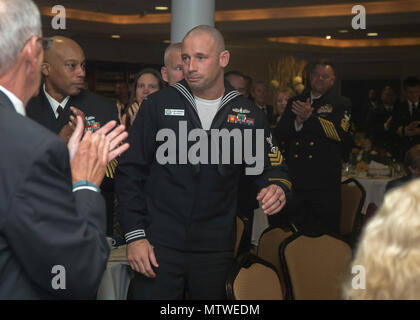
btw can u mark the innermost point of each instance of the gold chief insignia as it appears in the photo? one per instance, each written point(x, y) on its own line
point(276, 157)
point(241, 110)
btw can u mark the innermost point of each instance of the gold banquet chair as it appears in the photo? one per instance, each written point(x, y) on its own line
point(269, 244)
point(242, 228)
point(353, 197)
point(252, 278)
point(315, 267)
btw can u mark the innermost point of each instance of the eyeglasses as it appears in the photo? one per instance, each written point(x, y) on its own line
point(46, 42)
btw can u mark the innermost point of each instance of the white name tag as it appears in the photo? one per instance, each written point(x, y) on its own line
point(174, 112)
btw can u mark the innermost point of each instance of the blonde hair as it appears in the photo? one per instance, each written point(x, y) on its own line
point(289, 91)
point(389, 249)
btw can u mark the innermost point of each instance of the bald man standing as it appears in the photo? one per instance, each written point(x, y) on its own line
point(179, 217)
point(61, 97)
point(172, 70)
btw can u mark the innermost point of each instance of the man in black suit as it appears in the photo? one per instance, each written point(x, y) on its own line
point(379, 119)
point(64, 73)
point(52, 222)
point(260, 92)
point(315, 127)
point(406, 119)
point(411, 166)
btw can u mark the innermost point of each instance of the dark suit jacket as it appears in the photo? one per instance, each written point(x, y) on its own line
point(42, 222)
point(375, 127)
point(401, 118)
point(269, 112)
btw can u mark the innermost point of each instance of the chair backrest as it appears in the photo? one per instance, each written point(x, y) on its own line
point(315, 267)
point(352, 199)
point(252, 278)
point(269, 244)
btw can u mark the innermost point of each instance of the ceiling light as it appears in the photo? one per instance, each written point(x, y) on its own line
point(372, 34)
point(115, 36)
point(343, 31)
point(166, 41)
point(328, 37)
point(161, 8)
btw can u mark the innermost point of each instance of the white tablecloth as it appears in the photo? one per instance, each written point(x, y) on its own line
point(117, 276)
point(260, 223)
point(375, 189)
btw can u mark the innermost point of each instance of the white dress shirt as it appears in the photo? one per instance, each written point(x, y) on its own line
point(54, 103)
point(412, 106)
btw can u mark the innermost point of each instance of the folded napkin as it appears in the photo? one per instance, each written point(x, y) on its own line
point(377, 166)
point(378, 169)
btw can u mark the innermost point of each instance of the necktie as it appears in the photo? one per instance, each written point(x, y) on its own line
point(264, 109)
point(59, 111)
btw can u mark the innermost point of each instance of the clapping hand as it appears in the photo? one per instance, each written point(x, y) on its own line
point(302, 110)
point(412, 129)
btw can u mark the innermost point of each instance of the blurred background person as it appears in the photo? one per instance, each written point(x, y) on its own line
point(379, 119)
point(249, 81)
point(122, 94)
point(406, 119)
point(237, 81)
point(146, 82)
point(260, 94)
point(282, 96)
point(172, 70)
point(389, 251)
point(411, 166)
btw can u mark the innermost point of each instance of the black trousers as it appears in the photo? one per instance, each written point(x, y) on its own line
point(201, 274)
point(316, 211)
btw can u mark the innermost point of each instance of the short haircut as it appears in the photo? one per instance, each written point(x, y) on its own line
point(248, 80)
point(234, 73)
point(257, 83)
point(387, 89)
point(212, 32)
point(411, 82)
point(412, 158)
point(19, 21)
point(322, 62)
point(388, 250)
point(172, 47)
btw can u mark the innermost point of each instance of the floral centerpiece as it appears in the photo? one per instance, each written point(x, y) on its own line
point(364, 156)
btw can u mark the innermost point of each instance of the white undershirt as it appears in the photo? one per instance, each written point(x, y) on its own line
point(412, 106)
point(17, 103)
point(54, 103)
point(207, 110)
